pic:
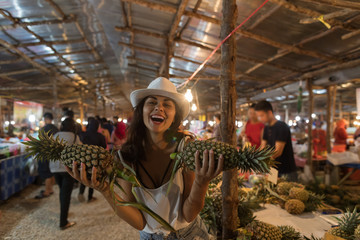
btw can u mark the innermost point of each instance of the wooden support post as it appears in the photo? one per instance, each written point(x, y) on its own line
point(340, 107)
point(55, 107)
point(228, 114)
point(81, 106)
point(310, 112)
point(333, 107)
point(329, 92)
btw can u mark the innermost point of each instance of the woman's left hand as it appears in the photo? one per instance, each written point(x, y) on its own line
point(206, 171)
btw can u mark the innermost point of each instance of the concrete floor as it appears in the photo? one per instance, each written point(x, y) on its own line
point(23, 217)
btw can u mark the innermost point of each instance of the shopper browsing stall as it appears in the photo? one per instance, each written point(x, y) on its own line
point(277, 134)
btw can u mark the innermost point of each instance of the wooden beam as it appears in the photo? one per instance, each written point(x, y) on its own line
point(199, 45)
point(62, 54)
point(25, 88)
point(288, 47)
point(24, 56)
point(18, 72)
point(331, 68)
point(10, 61)
point(328, 16)
point(149, 50)
point(310, 13)
point(229, 186)
point(70, 19)
point(337, 3)
point(59, 42)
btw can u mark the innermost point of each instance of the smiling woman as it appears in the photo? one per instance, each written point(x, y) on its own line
point(153, 135)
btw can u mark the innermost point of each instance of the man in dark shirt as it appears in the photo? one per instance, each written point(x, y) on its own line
point(43, 166)
point(277, 134)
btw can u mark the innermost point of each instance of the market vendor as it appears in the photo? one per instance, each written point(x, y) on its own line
point(152, 136)
point(253, 128)
point(340, 135)
point(277, 134)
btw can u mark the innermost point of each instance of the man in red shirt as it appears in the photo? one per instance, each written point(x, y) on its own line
point(253, 128)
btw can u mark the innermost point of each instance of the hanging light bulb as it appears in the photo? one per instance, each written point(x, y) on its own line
point(194, 107)
point(188, 95)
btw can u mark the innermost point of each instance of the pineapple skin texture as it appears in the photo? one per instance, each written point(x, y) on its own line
point(357, 233)
point(299, 193)
point(264, 231)
point(90, 155)
point(294, 206)
point(246, 159)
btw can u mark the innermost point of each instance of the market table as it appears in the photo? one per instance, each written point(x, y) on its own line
point(13, 177)
point(306, 223)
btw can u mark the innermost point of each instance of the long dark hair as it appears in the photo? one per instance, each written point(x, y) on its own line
point(133, 148)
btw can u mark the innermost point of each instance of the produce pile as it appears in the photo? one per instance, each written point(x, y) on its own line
point(249, 228)
point(336, 196)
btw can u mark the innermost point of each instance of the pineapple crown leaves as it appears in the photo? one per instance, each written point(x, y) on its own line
point(46, 148)
point(349, 221)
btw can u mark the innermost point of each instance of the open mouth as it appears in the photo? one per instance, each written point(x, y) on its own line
point(157, 119)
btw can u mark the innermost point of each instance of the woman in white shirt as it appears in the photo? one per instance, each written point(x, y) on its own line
point(153, 135)
point(63, 179)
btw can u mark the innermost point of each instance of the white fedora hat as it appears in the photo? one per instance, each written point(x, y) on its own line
point(161, 87)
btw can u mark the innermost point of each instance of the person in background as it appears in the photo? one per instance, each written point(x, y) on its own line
point(277, 134)
point(319, 138)
point(340, 133)
point(70, 114)
point(91, 137)
point(253, 128)
point(103, 130)
point(115, 121)
point(43, 166)
point(107, 125)
point(63, 179)
point(118, 137)
point(217, 130)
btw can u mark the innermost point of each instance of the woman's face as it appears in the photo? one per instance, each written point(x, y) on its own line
point(158, 113)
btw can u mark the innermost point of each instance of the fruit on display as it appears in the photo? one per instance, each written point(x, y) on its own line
point(347, 225)
point(264, 231)
point(289, 233)
point(46, 148)
point(283, 188)
point(246, 159)
point(299, 193)
point(357, 233)
point(294, 206)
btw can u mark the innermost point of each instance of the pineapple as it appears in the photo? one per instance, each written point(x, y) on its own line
point(299, 193)
point(357, 233)
point(289, 233)
point(247, 159)
point(294, 206)
point(264, 231)
point(347, 225)
point(283, 188)
point(48, 148)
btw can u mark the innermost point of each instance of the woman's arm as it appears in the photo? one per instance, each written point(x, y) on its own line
point(129, 214)
point(196, 183)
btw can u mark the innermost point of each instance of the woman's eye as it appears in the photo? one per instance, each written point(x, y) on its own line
point(152, 103)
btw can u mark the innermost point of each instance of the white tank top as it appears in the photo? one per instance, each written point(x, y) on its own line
point(168, 207)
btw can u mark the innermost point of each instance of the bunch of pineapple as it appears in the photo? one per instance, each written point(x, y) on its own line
point(348, 225)
point(246, 159)
point(264, 231)
point(46, 148)
point(295, 198)
point(289, 233)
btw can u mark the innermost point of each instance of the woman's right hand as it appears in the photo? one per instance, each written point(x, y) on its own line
point(81, 176)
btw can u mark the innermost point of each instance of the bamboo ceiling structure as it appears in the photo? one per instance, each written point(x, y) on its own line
point(96, 52)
